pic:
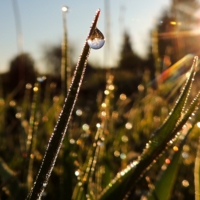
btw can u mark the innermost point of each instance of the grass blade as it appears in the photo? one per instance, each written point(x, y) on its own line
point(197, 174)
point(60, 129)
point(8, 178)
point(125, 180)
point(31, 138)
point(64, 63)
point(168, 177)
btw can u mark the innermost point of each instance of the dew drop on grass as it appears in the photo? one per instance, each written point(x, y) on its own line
point(44, 184)
point(123, 156)
point(128, 125)
point(28, 86)
point(100, 143)
point(185, 183)
point(96, 40)
point(65, 8)
point(116, 153)
point(41, 79)
point(79, 112)
point(85, 127)
point(77, 173)
point(124, 138)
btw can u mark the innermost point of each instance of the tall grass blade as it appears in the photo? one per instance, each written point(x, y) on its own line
point(64, 63)
point(168, 177)
point(165, 184)
point(126, 179)
point(197, 174)
point(31, 138)
point(82, 187)
point(60, 129)
point(8, 178)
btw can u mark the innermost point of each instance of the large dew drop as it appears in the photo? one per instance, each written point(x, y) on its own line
point(96, 40)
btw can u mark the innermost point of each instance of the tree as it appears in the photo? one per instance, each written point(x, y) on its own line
point(175, 31)
point(129, 60)
point(52, 57)
point(184, 12)
point(21, 71)
point(129, 68)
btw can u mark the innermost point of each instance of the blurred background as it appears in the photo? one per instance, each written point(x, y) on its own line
point(138, 33)
point(143, 42)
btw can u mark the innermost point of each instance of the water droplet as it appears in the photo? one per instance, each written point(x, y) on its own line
point(123, 156)
point(103, 113)
point(198, 124)
point(79, 184)
point(185, 155)
point(103, 105)
point(175, 148)
point(65, 8)
point(85, 127)
point(18, 115)
point(28, 86)
point(94, 144)
point(72, 141)
point(122, 173)
point(167, 161)
point(35, 89)
point(41, 79)
point(164, 167)
point(106, 92)
point(140, 87)
point(12, 103)
point(128, 125)
point(77, 173)
point(100, 143)
point(124, 138)
point(79, 112)
point(98, 125)
point(79, 142)
point(117, 153)
point(44, 184)
point(111, 87)
point(185, 183)
point(122, 97)
point(96, 40)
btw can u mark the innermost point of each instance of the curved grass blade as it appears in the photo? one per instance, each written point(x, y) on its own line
point(126, 179)
point(197, 174)
point(60, 129)
point(168, 177)
point(82, 188)
point(66, 180)
point(8, 178)
point(64, 62)
point(191, 110)
point(31, 138)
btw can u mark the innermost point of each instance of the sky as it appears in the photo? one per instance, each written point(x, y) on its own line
point(40, 24)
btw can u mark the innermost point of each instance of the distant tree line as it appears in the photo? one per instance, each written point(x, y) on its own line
point(174, 38)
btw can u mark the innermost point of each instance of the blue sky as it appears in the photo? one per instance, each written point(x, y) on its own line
point(41, 23)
